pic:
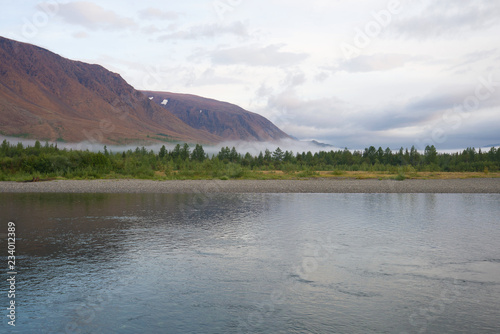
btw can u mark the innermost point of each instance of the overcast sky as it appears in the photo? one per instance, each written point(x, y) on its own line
point(351, 73)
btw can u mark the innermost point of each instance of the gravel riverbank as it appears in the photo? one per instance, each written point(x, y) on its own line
point(479, 185)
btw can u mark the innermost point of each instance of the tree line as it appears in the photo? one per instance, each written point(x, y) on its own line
point(19, 162)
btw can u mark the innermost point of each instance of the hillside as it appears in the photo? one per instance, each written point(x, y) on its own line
point(222, 119)
point(46, 96)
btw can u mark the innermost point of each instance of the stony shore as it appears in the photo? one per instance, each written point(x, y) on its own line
point(479, 185)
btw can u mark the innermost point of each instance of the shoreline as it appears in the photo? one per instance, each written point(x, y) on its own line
point(479, 185)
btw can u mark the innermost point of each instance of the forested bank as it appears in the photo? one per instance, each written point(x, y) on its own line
point(19, 162)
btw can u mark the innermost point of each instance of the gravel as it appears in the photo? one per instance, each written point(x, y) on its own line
point(480, 185)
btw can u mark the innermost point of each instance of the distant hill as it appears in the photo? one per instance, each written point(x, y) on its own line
point(48, 97)
point(317, 143)
point(222, 119)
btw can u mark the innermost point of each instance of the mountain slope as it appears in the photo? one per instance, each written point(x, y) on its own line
point(219, 118)
point(46, 96)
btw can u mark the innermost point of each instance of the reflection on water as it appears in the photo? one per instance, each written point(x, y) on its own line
point(255, 263)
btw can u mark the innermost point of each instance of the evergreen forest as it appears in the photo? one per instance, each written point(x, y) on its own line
point(22, 163)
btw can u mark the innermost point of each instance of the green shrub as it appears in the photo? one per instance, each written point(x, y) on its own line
point(401, 176)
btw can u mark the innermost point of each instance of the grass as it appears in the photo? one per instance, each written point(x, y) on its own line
point(400, 177)
point(246, 174)
point(385, 175)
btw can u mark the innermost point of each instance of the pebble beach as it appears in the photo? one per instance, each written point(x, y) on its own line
point(478, 185)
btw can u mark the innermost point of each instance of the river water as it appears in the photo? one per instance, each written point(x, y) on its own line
point(254, 263)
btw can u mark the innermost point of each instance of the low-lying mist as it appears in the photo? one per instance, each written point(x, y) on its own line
point(242, 147)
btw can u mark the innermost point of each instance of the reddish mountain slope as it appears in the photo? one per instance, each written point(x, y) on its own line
point(219, 118)
point(45, 96)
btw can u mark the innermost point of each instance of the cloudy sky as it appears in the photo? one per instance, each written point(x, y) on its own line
point(351, 73)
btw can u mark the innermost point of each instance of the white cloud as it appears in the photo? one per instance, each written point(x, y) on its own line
point(432, 118)
point(158, 14)
point(465, 62)
point(445, 18)
point(92, 16)
point(206, 31)
point(150, 29)
point(80, 34)
point(257, 56)
point(376, 62)
point(294, 79)
point(322, 76)
point(210, 77)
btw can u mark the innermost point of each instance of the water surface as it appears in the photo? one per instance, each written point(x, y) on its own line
point(255, 263)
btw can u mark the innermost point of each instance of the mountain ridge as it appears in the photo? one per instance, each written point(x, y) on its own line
point(45, 96)
point(223, 119)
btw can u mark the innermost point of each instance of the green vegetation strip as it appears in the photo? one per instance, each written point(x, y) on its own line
point(48, 162)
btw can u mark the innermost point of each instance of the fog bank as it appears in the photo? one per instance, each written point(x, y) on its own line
point(242, 147)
